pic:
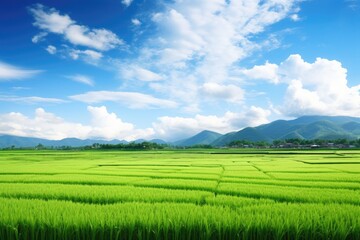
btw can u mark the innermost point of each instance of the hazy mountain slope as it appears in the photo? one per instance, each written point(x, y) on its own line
point(249, 134)
point(307, 127)
point(204, 137)
point(7, 141)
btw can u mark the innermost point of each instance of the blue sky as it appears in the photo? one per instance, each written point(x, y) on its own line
point(129, 69)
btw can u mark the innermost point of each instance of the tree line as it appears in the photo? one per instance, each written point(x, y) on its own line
point(298, 143)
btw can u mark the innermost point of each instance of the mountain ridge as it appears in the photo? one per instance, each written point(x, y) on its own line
point(204, 137)
point(305, 127)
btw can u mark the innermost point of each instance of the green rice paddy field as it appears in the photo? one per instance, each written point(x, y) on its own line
point(209, 194)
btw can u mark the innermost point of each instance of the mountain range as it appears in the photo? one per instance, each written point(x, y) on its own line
point(306, 127)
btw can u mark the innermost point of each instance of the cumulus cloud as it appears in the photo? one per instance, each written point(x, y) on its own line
point(130, 99)
point(174, 128)
point(42, 125)
point(110, 126)
point(30, 100)
point(82, 79)
point(104, 125)
point(320, 87)
point(50, 20)
point(268, 72)
point(9, 72)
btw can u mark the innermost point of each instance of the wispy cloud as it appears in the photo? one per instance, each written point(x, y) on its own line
point(129, 99)
point(49, 20)
point(352, 4)
point(89, 56)
point(134, 72)
point(127, 2)
point(82, 79)
point(229, 93)
point(51, 49)
point(31, 99)
point(198, 45)
point(9, 72)
point(39, 37)
point(18, 88)
point(136, 22)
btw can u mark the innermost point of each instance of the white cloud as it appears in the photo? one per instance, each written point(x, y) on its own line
point(229, 93)
point(174, 128)
point(130, 99)
point(9, 72)
point(42, 125)
point(51, 49)
point(110, 126)
point(82, 79)
point(313, 88)
point(136, 22)
point(134, 72)
point(264, 72)
point(197, 44)
point(127, 2)
point(104, 125)
point(89, 56)
point(51, 21)
point(295, 17)
point(107, 125)
point(100, 39)
point(39, 37)
point(30, 100)
point(219, 31)
point(182, 87)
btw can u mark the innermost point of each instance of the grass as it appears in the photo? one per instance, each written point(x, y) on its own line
point(233, 194)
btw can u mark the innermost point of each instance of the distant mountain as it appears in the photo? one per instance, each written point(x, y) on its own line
point(157, 141)
point(249, 134)
point(202, 138)
point(307, 127)
point(353, 127)
point(75, 142)
point(335, 119)
point(7, 141)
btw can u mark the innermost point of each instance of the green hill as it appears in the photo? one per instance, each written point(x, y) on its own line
point(307, 127)
point(203, 138)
